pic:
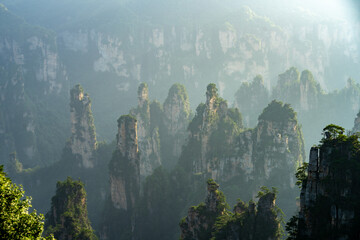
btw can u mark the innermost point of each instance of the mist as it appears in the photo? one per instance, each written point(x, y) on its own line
point(167, 112)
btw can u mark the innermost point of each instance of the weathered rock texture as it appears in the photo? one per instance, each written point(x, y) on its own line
point(83, 136)
point(212, 220)
point(356, 127)
point(251, 99)
point(253, 221)
point(329, 206)
point(199, 224)
point(176, 120)
point(148, 135)
point(31, 87)
point(125, 166)
point(67, 218)
point(162, 129)
point(219, 148)
point(119, 215)
point(314, 105)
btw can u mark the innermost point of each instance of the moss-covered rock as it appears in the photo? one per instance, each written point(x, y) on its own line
point(83, 136)
point(67, 218)
point(329, 206)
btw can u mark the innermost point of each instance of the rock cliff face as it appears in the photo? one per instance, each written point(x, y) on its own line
point(199, 224)
point(329, 207)
point(31, 83)
point(125, 166)
point(212, 131)
point(253, 221)
point(67, 218)
point(301, 91)
point(356, 127)
point(313, 104)
point(119, 219)
point(83, 136)
point(162, 129)
point(251, 99)
point(278, 146)
point(148, 135)
point(176, 119)
point(213, 220)
point(219, 148)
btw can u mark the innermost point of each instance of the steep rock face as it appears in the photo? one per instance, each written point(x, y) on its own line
point(199, 224)
point(356, 127)
point(148, 135)
point(127, 50)
point(213, 220)
point(212, 131)
point(125, 166)
point(328, 202)
point(119, 218)
point(256, 221)
point(220, 149)
point(309, 92)
point(272, 149)
point(300, 90)
point(313, 104)
point(251, 98)
point(176, 120)
point(83, 136)
point(287, 87)
point(67, 218)
point(32, 80)
point(278, 144)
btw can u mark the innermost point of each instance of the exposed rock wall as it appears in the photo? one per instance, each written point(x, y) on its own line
point(148, 136)
point(356, 127)
point(32, 80)
point(222, 150)
point(162, 129)
point(314, 105)
point(251, 98)
point(199, 223)
point(125, 166)
point(83, 136)
point(119, 217)
point(328, 202)
point(176, 119)
point(213, 220)
point(68, 216)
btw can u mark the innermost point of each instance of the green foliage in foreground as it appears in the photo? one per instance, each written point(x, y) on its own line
point(15, 220)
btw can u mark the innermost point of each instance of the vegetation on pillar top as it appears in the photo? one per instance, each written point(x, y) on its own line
point(278, 112)
point(211, 91)
point(68, 217)
point(212, 185)
point(126, 118)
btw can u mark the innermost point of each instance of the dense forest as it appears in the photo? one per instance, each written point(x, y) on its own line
point(179, 120)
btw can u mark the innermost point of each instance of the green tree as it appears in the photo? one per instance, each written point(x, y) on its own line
point(333, 131)
point(15, 220)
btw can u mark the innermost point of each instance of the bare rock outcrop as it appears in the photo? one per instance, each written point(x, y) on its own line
point(176, 118)
point(83, 136)
point(125, 166)
point(148, 136)
point(329, 207)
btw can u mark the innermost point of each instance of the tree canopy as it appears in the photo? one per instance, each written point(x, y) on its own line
point(15, 220)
